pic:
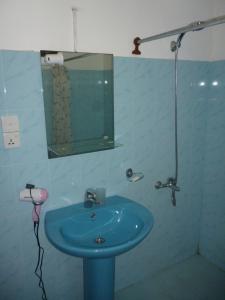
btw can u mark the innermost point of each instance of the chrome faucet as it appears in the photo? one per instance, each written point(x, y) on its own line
point(94, 196)
point(172, 184)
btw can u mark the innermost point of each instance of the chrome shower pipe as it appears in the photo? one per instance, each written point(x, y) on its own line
point(175, 113)
point(195, 26)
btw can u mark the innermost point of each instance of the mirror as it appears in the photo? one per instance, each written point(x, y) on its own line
point(78, 102)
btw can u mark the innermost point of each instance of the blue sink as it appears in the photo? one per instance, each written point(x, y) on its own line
point(98, 234)
point(101, 231)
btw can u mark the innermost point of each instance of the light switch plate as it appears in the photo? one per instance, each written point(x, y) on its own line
point(10, 123)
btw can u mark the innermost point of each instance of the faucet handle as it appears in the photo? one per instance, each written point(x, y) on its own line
point(158, 184)
point(89, 198)
point(96, 195)
point(91, 194)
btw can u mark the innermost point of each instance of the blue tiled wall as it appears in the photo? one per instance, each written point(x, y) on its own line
point(212, 242)
point(144, 124)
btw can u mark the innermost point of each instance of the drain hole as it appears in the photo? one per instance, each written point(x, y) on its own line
point(99, 240)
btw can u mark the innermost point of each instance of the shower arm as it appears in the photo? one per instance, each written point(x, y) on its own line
point(195, 26)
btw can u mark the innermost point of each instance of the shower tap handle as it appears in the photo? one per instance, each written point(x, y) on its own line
point(158, 185)
point(171, 183)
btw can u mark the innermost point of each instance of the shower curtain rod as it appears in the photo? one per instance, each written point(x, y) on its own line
point(195, 26)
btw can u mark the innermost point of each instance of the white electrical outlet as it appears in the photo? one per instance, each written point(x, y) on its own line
point(11, 139)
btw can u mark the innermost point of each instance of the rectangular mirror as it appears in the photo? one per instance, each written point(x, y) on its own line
point(78, 102)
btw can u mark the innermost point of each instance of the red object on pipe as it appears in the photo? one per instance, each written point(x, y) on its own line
point(136, 50)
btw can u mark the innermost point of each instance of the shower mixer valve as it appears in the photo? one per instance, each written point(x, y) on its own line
point(171, 183)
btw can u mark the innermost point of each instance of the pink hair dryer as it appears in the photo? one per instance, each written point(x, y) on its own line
point(35, 195)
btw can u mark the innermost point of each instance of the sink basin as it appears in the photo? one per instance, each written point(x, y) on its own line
point(101, 231)
point(98, 234)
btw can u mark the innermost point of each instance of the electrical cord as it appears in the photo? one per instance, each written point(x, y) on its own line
point(38, 268)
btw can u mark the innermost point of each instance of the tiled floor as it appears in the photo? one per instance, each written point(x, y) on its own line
point(193, 279)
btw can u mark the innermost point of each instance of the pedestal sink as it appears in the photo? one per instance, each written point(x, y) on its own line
point(98, 234)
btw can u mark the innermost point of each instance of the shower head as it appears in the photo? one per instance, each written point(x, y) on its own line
point(174, 45)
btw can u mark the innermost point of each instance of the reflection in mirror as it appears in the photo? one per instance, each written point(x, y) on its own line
point(78, 101)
